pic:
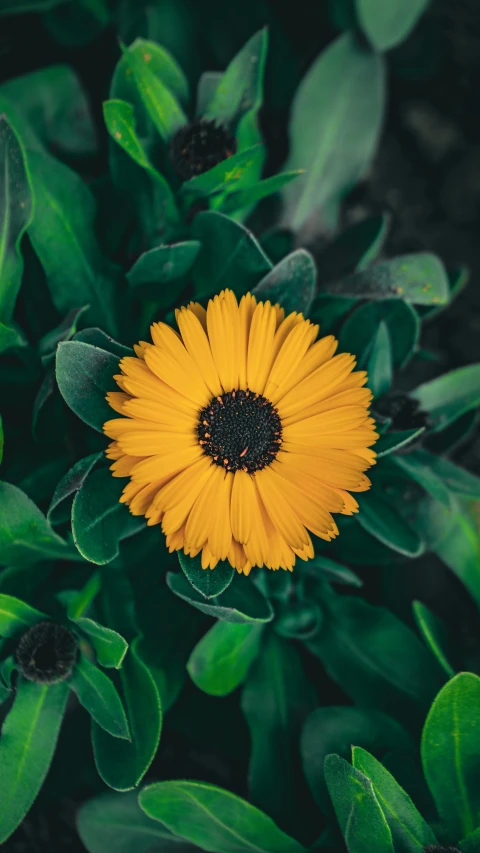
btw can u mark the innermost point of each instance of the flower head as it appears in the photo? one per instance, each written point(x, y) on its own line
point(199, 146)
point(47, 652)
point(241, 433)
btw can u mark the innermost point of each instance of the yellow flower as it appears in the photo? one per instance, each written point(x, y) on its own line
point(241, 433)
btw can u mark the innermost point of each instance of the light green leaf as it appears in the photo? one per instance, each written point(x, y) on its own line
point(448, 397)
point(420, 278)
point(159, 61)
point(471, 843)
point(25, 533)
point(222, 658)
point(457, 479)
point(291, 283)
point(240, 89)
point(416, 465)
point(251, 195)
point(387, 24)
point(223, 177)
point(98, 696)
point(2, 440)
point(16, 616)
point(160, 102)
point(435, 634)
point(380, 367)
point(110, 647)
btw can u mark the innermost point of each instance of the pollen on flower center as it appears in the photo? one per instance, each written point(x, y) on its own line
point(47, 652)
point(240, 431)
point(199, 146)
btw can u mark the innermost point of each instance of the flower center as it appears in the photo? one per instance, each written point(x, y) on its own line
point(47, 653)
point(199, 146)
point(240, 431)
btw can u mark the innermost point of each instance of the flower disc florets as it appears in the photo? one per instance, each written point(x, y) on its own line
point(47, 652)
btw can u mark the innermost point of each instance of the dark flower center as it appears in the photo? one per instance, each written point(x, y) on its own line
point(199, 146)
point(240, 431)
point(47, 653)
point(404, 412)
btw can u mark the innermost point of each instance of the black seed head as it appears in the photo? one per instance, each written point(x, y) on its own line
point(240, 431)
point(47, 653)
point(199, 146)
point(404, 412)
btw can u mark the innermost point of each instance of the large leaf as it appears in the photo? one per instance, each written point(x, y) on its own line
point(98, 696)
point(387, 24)
point(84, 376)
point(16, 210)
point(451, 753)
point(336, 119)
point(358, 811)
point(410, 832)
point(223, 657)
point(381, 520)
point(160, 102)
point(60, 505)
point(25, 533)
point(214, 819)
point(416, 465)
point(164, 265)
point(448, 397)
point(458, 480)
point(358, 331)
point(420, 278)
point(435, 634)
point(209, 582)
point(292, 283)
point(27, 743)
point(241, 602)
point(458, 544)
point(275, 701)
point(240, 88)
point(16, 616)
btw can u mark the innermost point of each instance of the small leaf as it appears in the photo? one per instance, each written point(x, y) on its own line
point(335, 122)
point(99, 520)
point(392, 441)
point(214, 819)
point(353, 249)
point(222, 658)
point(110, 647)
point(451, 753)
point(380, 367)
point(98, 696)
point(230, 256)
point(241, 86)
point(241, 602)
point(63, 332)
point(16, 616)
point(209, 582)
point(159, 101)
point(84, 376)
point(251, 195)
point(27, 743)
point(358, 811)
point(25, 533)
point(410, 832)
point(382, 521)
point(435, 634)
point(387, 24)
point(291, 283)
point(159, 61)
point(448, 397)
point(420, 278)
point(224, 176)
point(162, 266)
point(60, 505)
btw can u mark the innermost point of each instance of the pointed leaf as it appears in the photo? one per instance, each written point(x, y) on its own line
point(98, 696)
point(16, 616)
point(382, 521)
point(60, 506)
point(448, 397)
point(387, 24)
point(63, 332)
point(84, 376)
point(291, 283)
point(380, 367)
point(224, 176)
point(419, 278)
point(251, 195)
point(403, 323)
point(223, 657)
point(110, 647)
point(392, 441)
point(434, 632)
point(415, 464)
point(209, 582)
point(161, 104)
point(240, 88)
point(25, 533)
point(241, 602)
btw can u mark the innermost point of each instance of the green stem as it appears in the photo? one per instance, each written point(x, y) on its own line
point(85, 597)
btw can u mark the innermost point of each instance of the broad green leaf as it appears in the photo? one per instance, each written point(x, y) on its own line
point(115, 822)
point(230, 256)
point(333, 572)
point(416, 465)
point(25, 533)
point(358, 811)
point(160, 102)
point(410, 832)
point(387, 24)
point(358, 331)
point(380, 367)
point(122, 764)
point(276, 699)
point(60, 505)
point(16, 616)
point(16, 211)
point(214, 819)
point(98, 696)
point(251, 195)
point(110, 647)
point(84, 376)
point(292, 283)
point(63, 235)
point(334, 126)
point(97, 338)
point(448, 397)
point(11, 337)
point(382, 521)
point(457, 479)
point(223, 177)
point(434, 632)
point(392, 441)
point(222, 658)
point(420, 278)
point(63, 332)
point(335, 729)
point(471, 843)
point(353, 249)
point(155, 271)
point(99, 520)
point(27, 743)
point(240, 89)
point(241, 602)
point(209, 582)
point(450, 752)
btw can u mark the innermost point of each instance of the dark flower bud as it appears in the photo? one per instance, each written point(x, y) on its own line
point(403, 411)
point(199, 146)
point(46, 653)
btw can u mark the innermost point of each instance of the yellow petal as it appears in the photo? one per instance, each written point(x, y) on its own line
point(243, 502)
point(246, 310)
point(197, 344)
point(166, 465)
point(260, 346)
point(279, 510)
point(319, 354)
point(220, 531)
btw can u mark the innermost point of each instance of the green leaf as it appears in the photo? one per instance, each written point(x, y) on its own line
point(434, 632)
point(60, 505)
point(98, 338)
point(354, 248)
point(276, 699)
point(298, 620)
point(224, 176)
point(11, 337)
point(240, 88)
point(63, 332)
point(335, 729)
point(392, 441)
point(98, 696)
point(458, 545)
point(99, 520)
point(448, 397)
point(380, 367)
point(336, 118)
point(241, 602)
point(416, 465)
point(230, 256)
point(115, 822)
point(382, 521)
point(2, 440)
point(84, 376)
point(122, 764)
point(209, 582)
point(451, 752)
point(292, 283)
point(7, 7)
point(470, 844)
point(160, 102)
point(25, 533)
point(16, 211)
point(358, 811)
point(401, 319)
point(456, 479)
point(420, 278)
point(110, 647)
point(251, 195)
point(214, 819)
point(333, 572)
point(27, 743)
point(410, 832)
point(387, 24)
point(222, 658)
point(162, 266)
point(160, 62)
point(16, 616)
point(63, 236)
